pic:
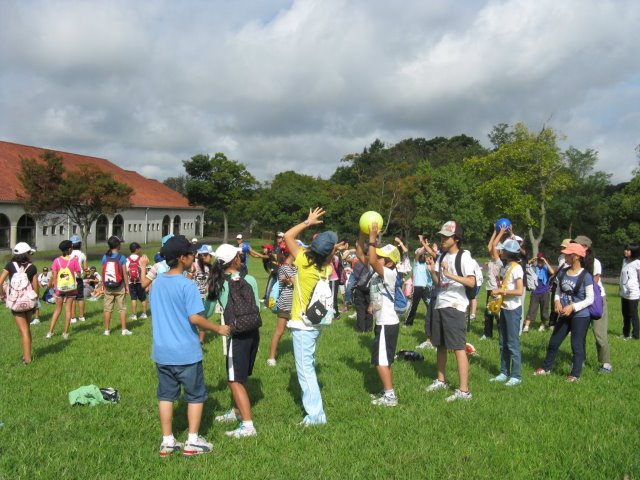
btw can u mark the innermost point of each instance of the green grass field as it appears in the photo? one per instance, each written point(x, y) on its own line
point(545, 428)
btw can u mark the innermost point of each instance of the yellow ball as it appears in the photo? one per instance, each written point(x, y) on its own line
point(367, 218)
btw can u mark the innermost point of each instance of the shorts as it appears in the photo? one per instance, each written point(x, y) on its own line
point(80, 291)
point(383, 350)
point(190, 377)
point(114, 296)
point(58, 294)
point(286, 314)
point(241, 355)
point(137, 292)
point(449, 328)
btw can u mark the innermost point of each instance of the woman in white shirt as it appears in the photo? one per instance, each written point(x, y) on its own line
point(630, 291)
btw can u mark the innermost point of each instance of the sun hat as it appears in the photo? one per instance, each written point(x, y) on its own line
point(239, 236)
point(389, 251)
point(22, 247)
point(194, 240)
point(226, 253)
point(205, 250)
point(75, 239)
point(324, 242)
point(565, 242)
point(518, 238)
point(450, 229)
point(509, 245)
point(575, 248)
point(176, 247)
point(584, 241)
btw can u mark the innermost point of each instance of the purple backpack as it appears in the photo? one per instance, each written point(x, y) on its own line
point(596, 308)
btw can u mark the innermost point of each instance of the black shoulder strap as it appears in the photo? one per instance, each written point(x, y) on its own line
point(459, 262)
point(579, 282)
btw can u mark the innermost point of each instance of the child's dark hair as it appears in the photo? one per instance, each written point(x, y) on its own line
point(112, 243)
point(316, 259)
point(22, 259)
point(634, 249)
point(511, 256)
point(215, 282)
point(173, 263)
point(588, 260)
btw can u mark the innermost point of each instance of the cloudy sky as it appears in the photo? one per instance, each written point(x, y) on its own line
point(282, 85)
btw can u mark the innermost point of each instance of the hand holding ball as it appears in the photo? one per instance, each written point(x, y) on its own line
point(367, 218)
point(503, 222)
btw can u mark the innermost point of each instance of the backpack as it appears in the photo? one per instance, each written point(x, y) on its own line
point(596, 308)
point(532, 277)
point(21, 297)
point(273, 297)
point(66, 280)
point(134, 270)
point(401, 304)
point(241, 312)
point(112, 272)
point(319, 311)
point(363, 281)
point(469, 291)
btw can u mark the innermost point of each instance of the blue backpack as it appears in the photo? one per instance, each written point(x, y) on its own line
point(401, 304)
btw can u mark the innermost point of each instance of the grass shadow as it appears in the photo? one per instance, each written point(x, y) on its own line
point(370, 379)
point(52, 348)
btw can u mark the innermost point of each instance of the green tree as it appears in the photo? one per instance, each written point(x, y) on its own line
point(218, 183)
point(179, 184)
point(82, 195)
point(520, 178)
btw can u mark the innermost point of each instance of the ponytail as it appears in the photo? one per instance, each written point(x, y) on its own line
point(215, 282)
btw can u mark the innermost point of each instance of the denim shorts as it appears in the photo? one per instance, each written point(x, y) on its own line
point(190, 377)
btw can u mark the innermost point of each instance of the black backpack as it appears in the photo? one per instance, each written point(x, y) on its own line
point(469, 291)
point(241, 313)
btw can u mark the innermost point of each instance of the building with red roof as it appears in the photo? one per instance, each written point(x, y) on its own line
point(156, 210)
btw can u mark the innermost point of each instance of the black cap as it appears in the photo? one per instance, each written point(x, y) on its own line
point(177, 246)
point(133, 246)
point(65, 245)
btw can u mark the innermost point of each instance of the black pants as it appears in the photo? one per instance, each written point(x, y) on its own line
point(539, 301)
point(489, 319)
point(361, 300)
point(630, 318)
point(578, 328)
point(419, 293)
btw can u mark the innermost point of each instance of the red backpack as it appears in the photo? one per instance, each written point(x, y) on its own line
point(112, 272)
point(134, 270)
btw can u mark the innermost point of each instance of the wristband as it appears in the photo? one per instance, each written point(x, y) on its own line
point(306, 222)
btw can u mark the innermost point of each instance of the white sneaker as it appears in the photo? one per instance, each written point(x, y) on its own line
point(541, 329)
point(35, 321)
point(133, 317)
point(353, 315)
point(126, 332)
point(459, 395)
point(242, 431)
point(106, 333)
point(525, 329)
point(82, 319)
point(483, 337)
point(196, 448)
point(229, 416)
point(385, 401)
point(142, 316)
point(472, 317)
point(271, 362)
point(74, 320)
point(49, 335)
point(426, 345)
point(437, 385)
point(65, 336)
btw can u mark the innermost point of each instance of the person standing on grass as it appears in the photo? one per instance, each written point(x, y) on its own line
point(361, 295)
point(246, 252)
point(574, 295)
point(84, 266)
point(286, 277)
point(312, 263)
point(116, 284)
point(600, 326)
point(242, 347)
point(630, 292)
point(135, 273)
point(21, 262)
point(431, 251)
point(422, 284)
point(176, 351)
point(61, 268)
point(510, 288)
point(540, 295)
point(449, 329)
point(383, 261)
point(493, 278)
point(201, 271)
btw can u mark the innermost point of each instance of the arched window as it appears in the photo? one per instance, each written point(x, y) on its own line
point(102, 227)
point(118, 227)
point(176, 225)
point(5, 231)
point(166, 222)
point(198, 233)
point(26, 231)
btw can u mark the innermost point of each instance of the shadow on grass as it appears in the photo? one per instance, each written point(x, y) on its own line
point(294, 387)
point(55, 347)
point(370, 379)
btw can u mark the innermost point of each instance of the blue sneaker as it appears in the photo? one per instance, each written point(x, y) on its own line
point(513, 382)
point(500, 378)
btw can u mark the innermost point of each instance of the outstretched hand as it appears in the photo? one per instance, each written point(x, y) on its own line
point(373, 232)
point(314, 216)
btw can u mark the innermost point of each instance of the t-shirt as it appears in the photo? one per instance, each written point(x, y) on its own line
point(421, 275)
point(308, 276)
point(511, 302)
point(542, 274)
point(285, 300)
point(31, 271)
point(175, 339)
point(157, 269)
point(493, 274)
point(597, 270)
point(82, 259)
point(582, 299)
point(43, 279)
point(630, 280)
point(201, 277)
point(452, 294)
point(122, 260)
point(383, 310)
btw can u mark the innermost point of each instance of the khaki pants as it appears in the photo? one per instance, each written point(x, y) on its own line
point(114, 296)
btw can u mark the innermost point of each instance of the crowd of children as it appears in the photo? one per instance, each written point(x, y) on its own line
point(189, 282)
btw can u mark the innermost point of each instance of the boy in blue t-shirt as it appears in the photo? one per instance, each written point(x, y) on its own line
point(177, 307)
point(541, 276)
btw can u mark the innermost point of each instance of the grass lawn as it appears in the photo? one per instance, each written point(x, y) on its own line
point(546, 428)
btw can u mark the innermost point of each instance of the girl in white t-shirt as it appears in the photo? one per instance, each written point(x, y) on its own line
point(510, 288)
point(630, 291)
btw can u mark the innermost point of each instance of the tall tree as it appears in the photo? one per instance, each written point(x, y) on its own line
point(521, 177)
point(179, 184)
point(217, 182)
point(81, 195)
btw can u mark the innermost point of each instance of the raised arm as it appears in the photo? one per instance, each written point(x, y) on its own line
point(373, 257)
point(292, 234)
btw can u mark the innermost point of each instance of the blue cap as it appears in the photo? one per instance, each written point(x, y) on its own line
point(75, 239)
point(205, 250)
point(165, 239)
point(509, 245)
point(324, 242)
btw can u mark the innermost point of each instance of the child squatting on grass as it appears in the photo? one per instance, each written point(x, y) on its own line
point(176, 350)
point(383, 261)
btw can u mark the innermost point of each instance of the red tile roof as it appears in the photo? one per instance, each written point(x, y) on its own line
point(146, 192)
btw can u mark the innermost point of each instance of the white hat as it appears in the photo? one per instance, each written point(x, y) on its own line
point(239, 236)
point(226, 252)
point(194, 240)
point(22, 247)
point(280, 234)
point(517, 238)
